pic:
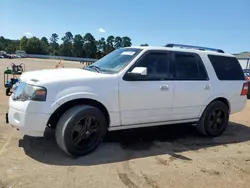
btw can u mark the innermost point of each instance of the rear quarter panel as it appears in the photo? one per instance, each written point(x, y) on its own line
point(231, 90)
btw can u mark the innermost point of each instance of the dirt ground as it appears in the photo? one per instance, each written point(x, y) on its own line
point(173, 156)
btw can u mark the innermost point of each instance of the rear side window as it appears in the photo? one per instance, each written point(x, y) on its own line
point(189, 66)
point(226, 68)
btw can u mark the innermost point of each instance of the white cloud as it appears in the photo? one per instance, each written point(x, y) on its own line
point(101, 30)
point(28, 33)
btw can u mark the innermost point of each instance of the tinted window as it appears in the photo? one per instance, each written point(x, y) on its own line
point(226, 68)
point(189, 66)
point(157, 64)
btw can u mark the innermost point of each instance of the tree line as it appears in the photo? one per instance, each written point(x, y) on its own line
point(72, 46)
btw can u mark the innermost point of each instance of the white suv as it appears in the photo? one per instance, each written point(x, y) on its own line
point(130, 88)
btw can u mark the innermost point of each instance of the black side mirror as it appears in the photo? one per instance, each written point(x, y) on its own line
point(132, 76)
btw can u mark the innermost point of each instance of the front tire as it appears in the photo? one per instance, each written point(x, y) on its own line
point(80, 130)
point(214, 119)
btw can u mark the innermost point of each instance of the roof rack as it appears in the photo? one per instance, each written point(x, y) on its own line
point(195, 47)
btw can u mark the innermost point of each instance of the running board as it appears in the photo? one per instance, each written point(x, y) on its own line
point(121, 127)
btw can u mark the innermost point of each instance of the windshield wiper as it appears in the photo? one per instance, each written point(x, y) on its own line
point(95, 67)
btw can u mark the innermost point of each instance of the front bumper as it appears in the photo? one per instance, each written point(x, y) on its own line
point(29, 124)
point(29, 117)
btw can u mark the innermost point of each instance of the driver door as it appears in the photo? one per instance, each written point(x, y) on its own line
point(147, 99)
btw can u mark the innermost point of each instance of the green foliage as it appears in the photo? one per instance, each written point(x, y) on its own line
point(10, 48)
point(35, 46)
point(23, 43)
point(118, 42)
point(73, 46)
point(78, 50)
point(9, 45)
point(54, 38)
point(1, 46)
point(45, 40)
point(110, 44)
point(126, 42)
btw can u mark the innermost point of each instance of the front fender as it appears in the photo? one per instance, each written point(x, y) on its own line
point(78, 95)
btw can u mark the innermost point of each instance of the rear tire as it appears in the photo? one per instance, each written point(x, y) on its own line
point(214, 119)
point(80, 130)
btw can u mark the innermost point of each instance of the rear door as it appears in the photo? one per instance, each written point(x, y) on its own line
point(192, 85)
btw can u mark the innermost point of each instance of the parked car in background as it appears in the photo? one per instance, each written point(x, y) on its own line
point(246, 72)
point(21, 53)
point(247, 75)
point(7, 56)
point(2, 53)
point(129, 88)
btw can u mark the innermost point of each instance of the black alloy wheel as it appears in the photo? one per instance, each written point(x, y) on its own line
point(80, 130)
point(85, 132)
point(214, 119)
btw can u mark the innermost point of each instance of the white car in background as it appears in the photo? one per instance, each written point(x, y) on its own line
point(130, 88)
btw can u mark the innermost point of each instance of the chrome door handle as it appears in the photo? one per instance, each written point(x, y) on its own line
point(206, 87)
point(164, 87)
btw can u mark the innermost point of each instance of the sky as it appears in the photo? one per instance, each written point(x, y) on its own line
point(221, 24)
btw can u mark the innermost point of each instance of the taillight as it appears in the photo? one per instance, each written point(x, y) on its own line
point(244, 90)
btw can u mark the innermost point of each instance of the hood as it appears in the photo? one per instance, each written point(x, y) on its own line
point(58, 74)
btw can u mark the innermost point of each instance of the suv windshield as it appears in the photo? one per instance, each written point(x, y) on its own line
point(114, 61)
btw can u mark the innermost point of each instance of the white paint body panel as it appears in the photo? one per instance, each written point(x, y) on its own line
point(189, 98)
point(145, 102)
point(129, 104)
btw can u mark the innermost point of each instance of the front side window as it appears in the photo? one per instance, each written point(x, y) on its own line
point(157, 64)
point(115, 61)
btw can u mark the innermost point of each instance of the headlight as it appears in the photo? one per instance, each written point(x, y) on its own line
point(34, 93)
point(23, 91)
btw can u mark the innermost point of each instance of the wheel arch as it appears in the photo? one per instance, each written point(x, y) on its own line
point(221, 98)
point(55, 116)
